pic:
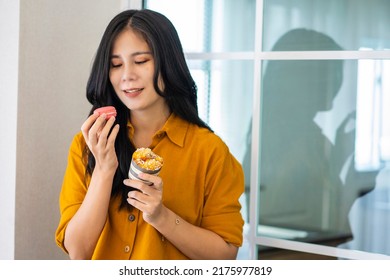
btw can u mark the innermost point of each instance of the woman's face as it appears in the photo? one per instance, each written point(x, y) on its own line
point(131, 73)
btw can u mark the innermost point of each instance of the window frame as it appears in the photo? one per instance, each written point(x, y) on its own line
point(258, 57)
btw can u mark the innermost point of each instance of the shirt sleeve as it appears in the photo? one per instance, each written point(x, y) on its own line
point(74, 187)
point(224, 186)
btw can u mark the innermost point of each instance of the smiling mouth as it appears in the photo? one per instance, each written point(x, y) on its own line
point(132, 91)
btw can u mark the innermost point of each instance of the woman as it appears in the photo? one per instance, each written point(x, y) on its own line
point(191, 210)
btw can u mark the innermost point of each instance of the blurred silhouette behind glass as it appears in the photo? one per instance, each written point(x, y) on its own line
point(302, 185)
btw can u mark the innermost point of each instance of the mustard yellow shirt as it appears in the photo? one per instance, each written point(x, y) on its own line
point(202, 184)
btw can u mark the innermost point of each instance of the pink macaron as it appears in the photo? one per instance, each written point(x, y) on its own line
point(110, 111)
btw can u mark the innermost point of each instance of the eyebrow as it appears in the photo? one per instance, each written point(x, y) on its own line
point(132, 55)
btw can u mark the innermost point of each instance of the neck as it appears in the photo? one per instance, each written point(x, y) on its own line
point(148, 121)
point(146, 125)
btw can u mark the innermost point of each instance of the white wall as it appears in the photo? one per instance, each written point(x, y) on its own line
point(9, 43)
point(46, 95)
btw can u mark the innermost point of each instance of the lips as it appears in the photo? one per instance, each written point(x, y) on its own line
point(132, 91)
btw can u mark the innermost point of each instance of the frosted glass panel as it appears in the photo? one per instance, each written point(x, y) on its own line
point(311, 141)
point(353, 23)
point(225, 90)
point(211, 25)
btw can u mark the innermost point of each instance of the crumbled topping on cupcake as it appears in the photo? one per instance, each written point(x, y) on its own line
point(147, 159)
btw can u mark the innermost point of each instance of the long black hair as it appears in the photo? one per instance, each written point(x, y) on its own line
point(180, 91)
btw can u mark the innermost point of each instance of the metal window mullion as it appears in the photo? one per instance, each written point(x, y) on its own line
point(290, 55)
point(318, 249)
point(207, 30)
point(254, 190)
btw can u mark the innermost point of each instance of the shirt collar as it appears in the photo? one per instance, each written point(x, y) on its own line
point(176, 129)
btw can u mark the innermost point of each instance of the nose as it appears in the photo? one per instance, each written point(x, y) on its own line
point(128, 73)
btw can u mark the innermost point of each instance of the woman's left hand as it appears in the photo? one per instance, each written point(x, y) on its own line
point(182, 234)
point(147, 198)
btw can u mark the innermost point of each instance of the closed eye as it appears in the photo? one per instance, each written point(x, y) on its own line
point(115, 65)
point(141, 61)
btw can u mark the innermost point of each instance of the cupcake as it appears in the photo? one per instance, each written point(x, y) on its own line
point(144, 160)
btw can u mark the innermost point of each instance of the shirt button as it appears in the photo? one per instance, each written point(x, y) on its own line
point(127, 249)
point(131, 217)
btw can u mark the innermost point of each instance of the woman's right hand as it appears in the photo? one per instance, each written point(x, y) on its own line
point(101, 143)
point(83, 230)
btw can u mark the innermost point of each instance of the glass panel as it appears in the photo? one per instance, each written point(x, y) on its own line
point(210, 25)
point(312, 184)
point(355, 24)
point(225, 90)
